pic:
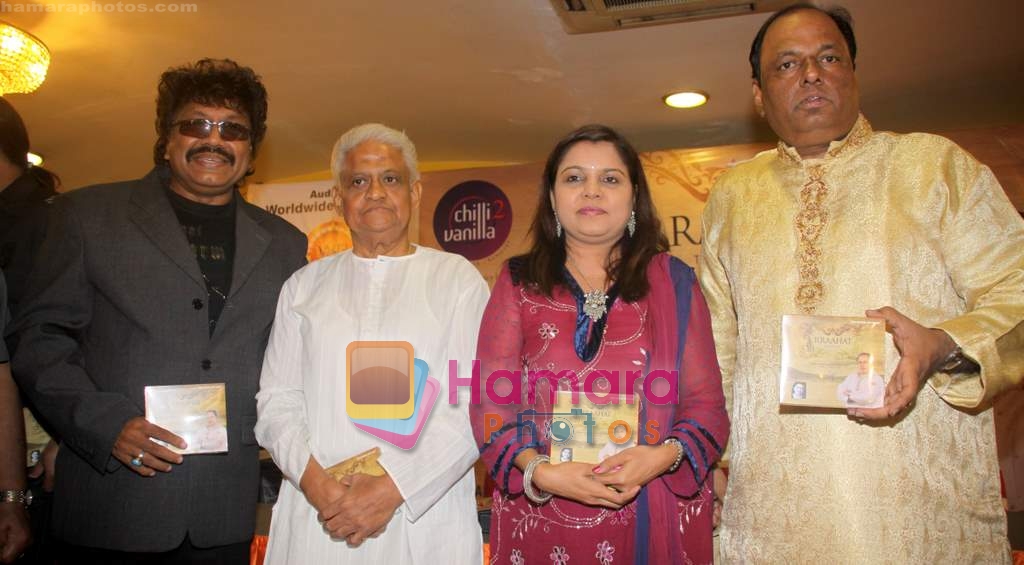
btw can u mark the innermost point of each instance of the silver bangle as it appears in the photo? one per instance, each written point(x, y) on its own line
point(536, 496)
point(679, 454)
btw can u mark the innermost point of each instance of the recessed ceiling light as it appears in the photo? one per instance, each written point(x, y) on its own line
point(686, 99)
point(35, 160)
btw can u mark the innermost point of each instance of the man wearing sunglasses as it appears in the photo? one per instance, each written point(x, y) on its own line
point(171, 279)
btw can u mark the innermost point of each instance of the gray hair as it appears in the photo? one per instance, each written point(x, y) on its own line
point(379, 133)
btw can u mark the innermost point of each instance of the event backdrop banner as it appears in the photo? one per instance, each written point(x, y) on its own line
point(485, 214)
point(310, 207)
point(510, 192)
point(467, 211)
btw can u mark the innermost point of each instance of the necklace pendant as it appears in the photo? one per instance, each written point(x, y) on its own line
point(594, 304)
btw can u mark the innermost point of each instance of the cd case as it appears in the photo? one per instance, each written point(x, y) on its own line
point(584, 432)
point(366, 463)
point(197, 413)
point(832, 362)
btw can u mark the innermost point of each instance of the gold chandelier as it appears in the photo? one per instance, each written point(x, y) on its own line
point(23, 60)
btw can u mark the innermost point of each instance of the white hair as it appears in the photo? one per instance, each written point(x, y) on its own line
point(379, 133)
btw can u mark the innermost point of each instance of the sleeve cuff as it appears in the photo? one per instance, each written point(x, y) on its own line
point(965, 390)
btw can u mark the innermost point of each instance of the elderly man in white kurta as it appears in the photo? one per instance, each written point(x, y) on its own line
point(423, 510)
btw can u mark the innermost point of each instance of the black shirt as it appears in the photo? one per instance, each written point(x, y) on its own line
point(210, 230)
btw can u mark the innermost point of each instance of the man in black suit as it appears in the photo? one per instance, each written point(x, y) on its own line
point(170, 279)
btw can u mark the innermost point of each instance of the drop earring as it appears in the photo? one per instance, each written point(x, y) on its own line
point(631, 224)
point(558, 227)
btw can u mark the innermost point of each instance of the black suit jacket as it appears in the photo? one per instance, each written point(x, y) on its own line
point(117, 302)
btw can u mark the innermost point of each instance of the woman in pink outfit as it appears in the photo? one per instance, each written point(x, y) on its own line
point(597, 291)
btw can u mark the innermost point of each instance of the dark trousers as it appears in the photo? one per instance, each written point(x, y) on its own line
point(234, 554)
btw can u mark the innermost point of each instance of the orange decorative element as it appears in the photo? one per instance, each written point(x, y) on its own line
point(258, 550)
point(328, 238)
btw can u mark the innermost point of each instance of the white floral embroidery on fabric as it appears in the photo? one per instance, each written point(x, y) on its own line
point(517, 557)
point(605, 552)
point(548, 330)
point(558, 555)
point(689, 510)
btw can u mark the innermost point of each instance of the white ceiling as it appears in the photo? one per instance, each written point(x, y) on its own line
point(487, 80)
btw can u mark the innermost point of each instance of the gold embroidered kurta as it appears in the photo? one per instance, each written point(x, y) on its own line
point(909, 221)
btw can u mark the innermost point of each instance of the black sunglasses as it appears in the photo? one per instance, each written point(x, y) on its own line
point(201, 128)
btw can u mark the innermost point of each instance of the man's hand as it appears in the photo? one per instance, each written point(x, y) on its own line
point(576, 481)
point(134, 440)
point(15, 535)
point(319, 488)
point(364, 511)
point(46, 466)
point(636, 466)
point(921, 350)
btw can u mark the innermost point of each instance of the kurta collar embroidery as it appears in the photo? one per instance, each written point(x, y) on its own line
point(858, 136)
point(812, 215)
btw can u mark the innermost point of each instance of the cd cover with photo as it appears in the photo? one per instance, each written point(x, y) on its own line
point(197, 413)
point(588, 432)
point(832, 362)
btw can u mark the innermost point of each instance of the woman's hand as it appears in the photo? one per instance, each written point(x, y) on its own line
point(575, 481)
point(635, 467)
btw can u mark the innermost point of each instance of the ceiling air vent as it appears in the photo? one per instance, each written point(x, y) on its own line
point(587, 16)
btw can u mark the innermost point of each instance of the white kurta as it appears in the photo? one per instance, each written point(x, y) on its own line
point(431, 299)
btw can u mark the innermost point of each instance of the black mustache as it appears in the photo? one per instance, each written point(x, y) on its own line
point(210, 149)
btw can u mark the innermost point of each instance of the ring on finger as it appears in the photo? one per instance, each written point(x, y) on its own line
point(137, 461)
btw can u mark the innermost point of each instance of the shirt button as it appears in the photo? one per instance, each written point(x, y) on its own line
point(206, 364)
point(197, 304)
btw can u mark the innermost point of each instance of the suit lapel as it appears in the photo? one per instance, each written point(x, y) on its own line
point(155, 217)
point(251, 242)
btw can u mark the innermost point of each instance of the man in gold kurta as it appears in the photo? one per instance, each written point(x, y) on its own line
point(840, 219)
